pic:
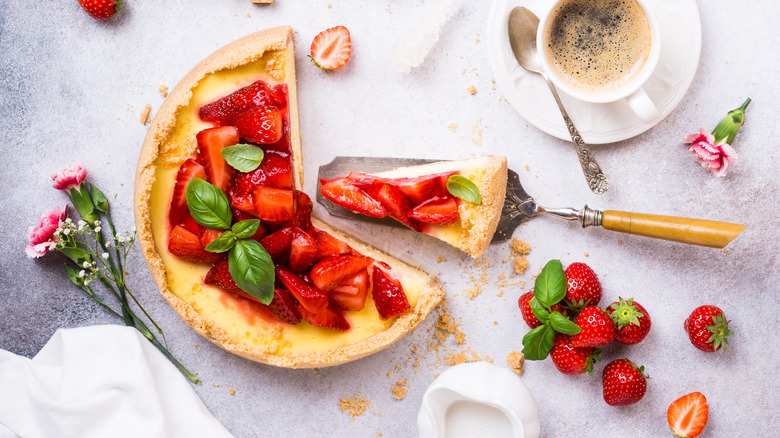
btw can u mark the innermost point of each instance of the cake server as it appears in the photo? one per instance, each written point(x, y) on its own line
point(519, 207)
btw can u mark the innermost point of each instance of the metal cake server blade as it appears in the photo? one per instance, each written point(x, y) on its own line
point(519, 207)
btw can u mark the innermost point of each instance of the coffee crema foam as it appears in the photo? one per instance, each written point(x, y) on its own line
point(597, 45)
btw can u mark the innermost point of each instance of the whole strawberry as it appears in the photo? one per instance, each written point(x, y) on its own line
point(571, 360)
point(597, 328)
point(623, 383)
point(632, 321)
point(528, 314)
point(582, 287)
point(708, 328)
point(101, 9)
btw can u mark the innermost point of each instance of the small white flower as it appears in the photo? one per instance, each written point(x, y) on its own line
point(109, 244)
point(82, 273)
point(97, 229)
point(68, 221)
point(86, 264)
point(104, 255)
point(97, 223)
point(66, 231)
point(120, 239)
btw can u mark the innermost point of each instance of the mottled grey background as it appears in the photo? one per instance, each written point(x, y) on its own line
point(72, 89)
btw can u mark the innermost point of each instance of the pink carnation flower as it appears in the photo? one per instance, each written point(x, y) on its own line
point(713, 157)
point(69, 177)
point(42, 236)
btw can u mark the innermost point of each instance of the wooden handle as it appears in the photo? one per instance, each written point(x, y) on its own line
point(678, 229)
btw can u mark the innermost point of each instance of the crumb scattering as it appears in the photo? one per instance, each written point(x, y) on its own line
point(145, 114)
point(520, 250)
point(163, 90)
point(440, 259)
point(354, 406)
point(399, 389)
point(471, 89)
point(515, 361)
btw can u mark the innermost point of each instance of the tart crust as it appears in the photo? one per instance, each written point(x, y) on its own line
point(245, 50)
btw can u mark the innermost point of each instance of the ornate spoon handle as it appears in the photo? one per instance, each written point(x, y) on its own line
point(597, 179)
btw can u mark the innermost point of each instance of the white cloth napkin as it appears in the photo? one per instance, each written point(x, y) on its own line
point(100, 381)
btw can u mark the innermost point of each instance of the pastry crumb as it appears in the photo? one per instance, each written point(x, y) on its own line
point(330, 5)
point(452, 127)
point(521, 247)
point(520, 264)
point(163, 90)
point(145, 114)
point(354, 406)
point(231, 391)
point(620, 241)
point(440, 259)
point(471, 89)
point(216, 385)
point(527, 167)
point(515, 361)
point(399, 389)
point(585, 253)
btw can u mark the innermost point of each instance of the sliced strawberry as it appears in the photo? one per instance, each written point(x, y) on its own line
point(244, 203)
point(208, 235)
point(347, 302)
point(397, 204)
point(328, 246)
point(303, 209)
point(220, 110)
point(189, 223)
point(352, 294)
point(346, 194)
point(422, 188)
point(325, 318)
point(303, 251)
point(239, 215)
point(279, 94)
point(687, 415)
point(285, 307)
point(210, 144)
point(311, 298)
point(260, 124)
point(274, 205)
point(219, 275)
point(438, 211)
point(277, 167)
point(188, 170)
point(186, 245)
point(278, 244)
point(364, 180)
point(246, 182)
point(333, 271)
point(388, 295)
point(331, 48)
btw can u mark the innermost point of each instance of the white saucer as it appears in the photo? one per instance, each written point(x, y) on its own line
point(598, 123)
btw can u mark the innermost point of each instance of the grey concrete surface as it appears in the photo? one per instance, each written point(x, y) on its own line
point(72, 89)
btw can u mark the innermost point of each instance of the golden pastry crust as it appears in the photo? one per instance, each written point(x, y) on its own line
point(479, 222)
point(153, 152)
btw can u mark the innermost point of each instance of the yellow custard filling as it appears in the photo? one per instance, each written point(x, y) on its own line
point(243, 319)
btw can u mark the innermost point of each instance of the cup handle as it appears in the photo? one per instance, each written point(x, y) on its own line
point(642, 106)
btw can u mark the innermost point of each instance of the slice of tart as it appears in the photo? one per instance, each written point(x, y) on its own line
point(430, 198)
point(306, 295)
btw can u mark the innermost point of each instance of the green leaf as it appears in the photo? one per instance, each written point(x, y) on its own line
point(252, 269)
point(245, 229)
point(539, 311)
point(538, 342)
point(243, 157)
point(562, 324)
point(82, 201)
point(98, 198)
point(461, 187)
point(550, 286)
point(223, 243)
point(208, 205)
point(728, 127)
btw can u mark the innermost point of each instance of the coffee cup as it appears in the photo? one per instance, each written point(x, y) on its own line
point(601, 51)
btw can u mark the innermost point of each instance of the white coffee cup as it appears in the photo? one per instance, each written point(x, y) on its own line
point(632, 90)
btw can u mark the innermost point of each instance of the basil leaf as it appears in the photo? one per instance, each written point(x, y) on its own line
point(252, 269)
point(539, 311)
point(245, 229)
point(461, 187)
point(208, 205)
point(550, 286)
point(223, 243)
point(562, 324)
point(538, 342)
point(243, 157)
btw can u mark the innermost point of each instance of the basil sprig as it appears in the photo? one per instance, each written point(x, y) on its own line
point(549, 289)
point(243, 157)
point(249, 263)
point(462, 187)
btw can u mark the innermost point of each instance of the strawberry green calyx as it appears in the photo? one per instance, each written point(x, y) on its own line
point(625, 313)
point(727, 129)
point(720, 332)
point(592, 359)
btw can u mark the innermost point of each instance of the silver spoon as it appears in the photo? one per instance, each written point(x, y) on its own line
point(522, 37)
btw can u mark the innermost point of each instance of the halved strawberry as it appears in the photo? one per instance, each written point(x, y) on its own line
point(285, 307)
point(325, 318)
point(687, 415)
point(422, 188)
point(331, 48)
point(397, 204)
point(220, 110)
point(186, 245)
point(388, 294)
point(333, 271)
point(210, 144)
point(303, 251)
point(188, 170)
point(312, 299)
point(273, 205)
point(260, 124)
point(278, 244)
point(328, 245)
point(438, 211)
point(219, 275)
point(346, 194)
point(303, 209)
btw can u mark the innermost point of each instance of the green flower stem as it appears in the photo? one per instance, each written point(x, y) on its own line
point(99, 301)
point(159, 330)
point(127, 315)
point(148, 335)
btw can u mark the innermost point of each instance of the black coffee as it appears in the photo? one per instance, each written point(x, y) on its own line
point(597, 45)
